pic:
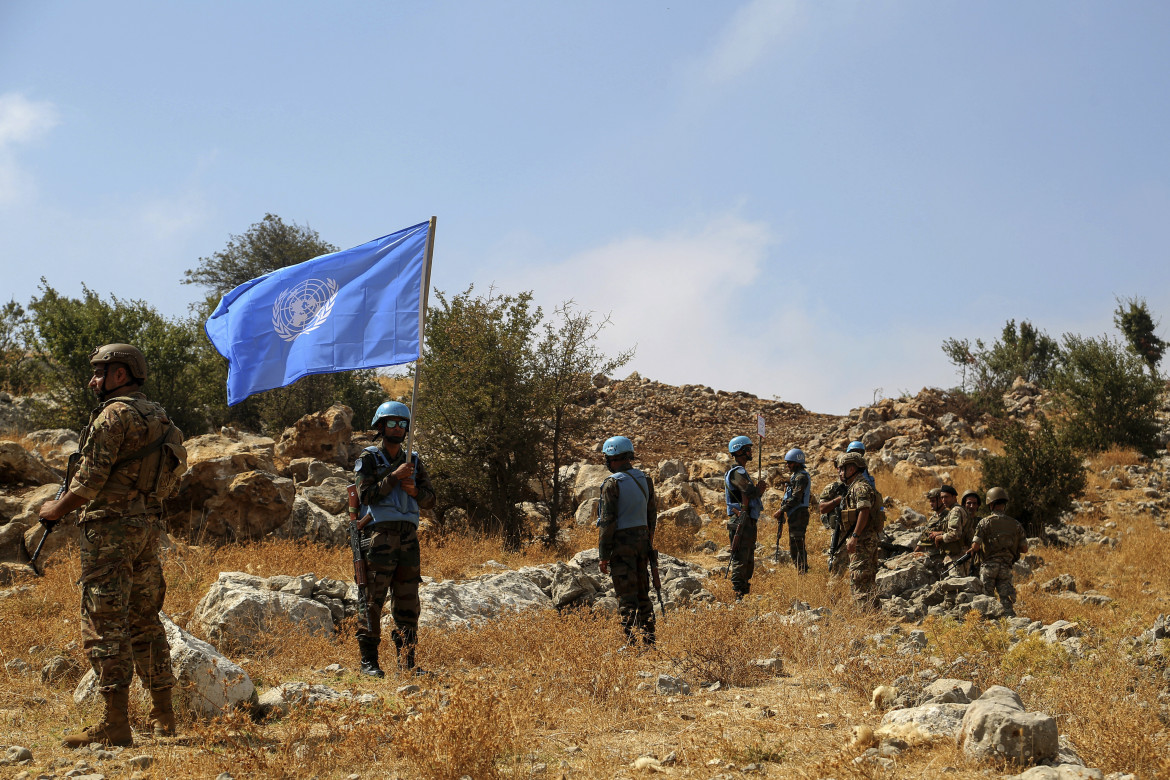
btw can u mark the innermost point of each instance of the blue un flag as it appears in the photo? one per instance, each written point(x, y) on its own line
point(359, 308)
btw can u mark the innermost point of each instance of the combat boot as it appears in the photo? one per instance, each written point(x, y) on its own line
point(406, 639)
point(369, 651)
point(114, 728)
point(162, 713)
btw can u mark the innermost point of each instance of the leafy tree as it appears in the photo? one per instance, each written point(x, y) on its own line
point(479, 405)
point(64, 331)
point(988, 371)
point(567, 360)
point(266, 246)
point(18, 368)
point(1135, 322)
point(1107, 395)
point(1041, 471)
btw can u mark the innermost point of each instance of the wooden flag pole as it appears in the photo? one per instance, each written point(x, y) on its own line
point(423, 294)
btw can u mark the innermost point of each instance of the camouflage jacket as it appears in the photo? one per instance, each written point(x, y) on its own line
point(1000, 538)
point(861, 495)
point(115, 429)
point(794, 493)
point(959, 531)
point(607, 515)
point(370, 487)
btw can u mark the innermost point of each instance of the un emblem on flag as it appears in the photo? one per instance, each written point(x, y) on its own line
point(303, 307)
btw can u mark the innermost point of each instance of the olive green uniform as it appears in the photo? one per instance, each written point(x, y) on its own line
point(393, 563)
point(743, 560)
point(628, 553)
point(1001, 540)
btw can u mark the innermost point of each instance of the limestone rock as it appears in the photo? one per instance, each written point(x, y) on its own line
point(279, 700)
point(324, 436)
point(997, 726)
point(206, 683)
point(310, 522)
point(570, 584)
point(588, 483)
point(949, 691)
point(238, 606)
point(331, 495)
point(587, 512)
point(684, 517)
point(19, 466)
point(1060, 772)
point(923, 723)
point(459, 604)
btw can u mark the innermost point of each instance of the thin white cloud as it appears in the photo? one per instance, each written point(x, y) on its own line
point(22, 121)
point(754, 30)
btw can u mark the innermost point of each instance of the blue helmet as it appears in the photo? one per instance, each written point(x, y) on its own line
point(390, 409)
point(855, 446)
point(738, 443)
point(617, 445)
point(795, 455)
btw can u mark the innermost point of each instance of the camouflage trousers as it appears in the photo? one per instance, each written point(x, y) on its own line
point(797, 528)
point(122, 591)
point(629, 568)
point(393, 567)
point(863, 565)
point(743, 561)
point(996, 577)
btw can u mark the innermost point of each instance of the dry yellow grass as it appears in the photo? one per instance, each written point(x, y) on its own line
point(552, 689)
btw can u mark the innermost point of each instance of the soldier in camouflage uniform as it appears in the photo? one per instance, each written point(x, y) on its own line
point(626, 518)
point(859, 516)
point(795, 508)
point(829, 504)
point(743, 513)
point(936, 522)
point(392, 489)
point(971, 502)
point(122, 585)
point(953, 540)
point(1000, 540)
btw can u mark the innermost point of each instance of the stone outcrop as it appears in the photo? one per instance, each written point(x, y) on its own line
point(19, 466)
point(206, 682)
point(240, 606)
point(996, 726)
point(325, 436)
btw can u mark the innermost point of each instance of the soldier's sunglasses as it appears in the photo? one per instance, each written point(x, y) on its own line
point(404, 424)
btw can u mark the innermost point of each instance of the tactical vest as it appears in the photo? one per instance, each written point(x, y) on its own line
point(804, 499)
point(395, 506)
point(161, 462)
point(632, 499)
point(1001, 540)
point(733, 497)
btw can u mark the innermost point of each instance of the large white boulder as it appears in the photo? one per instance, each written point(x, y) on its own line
point(207, 683)
point(310, 522)
point(997, 726)
point(238, 606)
point(458, 604)
point(925, 722)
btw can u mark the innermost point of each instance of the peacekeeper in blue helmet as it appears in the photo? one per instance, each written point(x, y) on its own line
point(856, 446)
point(626, 518)
point(797, 494)
point(743, 513)
point(392, 488)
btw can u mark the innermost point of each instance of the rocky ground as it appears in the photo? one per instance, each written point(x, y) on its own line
point(791, 683)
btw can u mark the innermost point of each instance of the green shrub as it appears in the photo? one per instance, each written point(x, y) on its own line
point(1107, 395)
point(987, 372)
point(1040, 470)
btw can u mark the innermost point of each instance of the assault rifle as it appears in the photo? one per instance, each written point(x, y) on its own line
point(359, 558)
point(70, 467)
point(955, 564)
point(657, 580)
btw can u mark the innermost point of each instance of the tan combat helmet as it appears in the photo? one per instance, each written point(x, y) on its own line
point(971, 493)
point(851, 459)
point(129, 356)
point(996, 494)
point(933, 494)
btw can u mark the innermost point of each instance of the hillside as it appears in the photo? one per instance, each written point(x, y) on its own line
point(788, 683)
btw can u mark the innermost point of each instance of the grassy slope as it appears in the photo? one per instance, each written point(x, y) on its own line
point(552, 689)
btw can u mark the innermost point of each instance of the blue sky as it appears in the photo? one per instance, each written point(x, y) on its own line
point(796, 199)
